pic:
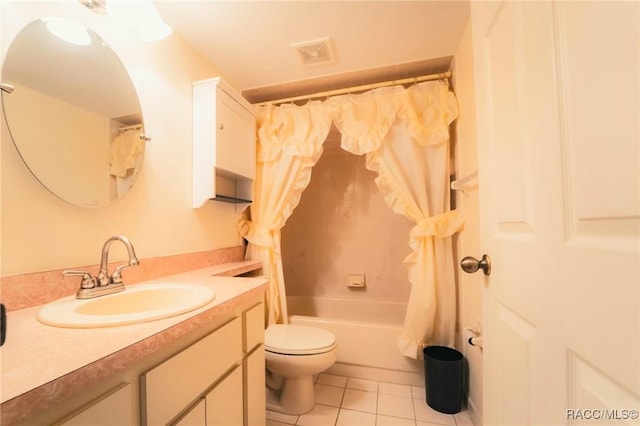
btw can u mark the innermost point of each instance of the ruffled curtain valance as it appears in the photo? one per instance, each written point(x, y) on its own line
point(296, 131)
point(365, 120)
point(404, 134)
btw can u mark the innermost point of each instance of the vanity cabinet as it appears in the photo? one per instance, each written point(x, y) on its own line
point(196, 366)
point(112, 408)
point(224, 158)
point(222, 406)
point(254, 367)
point(195, 417)
point(214, 381)
point(178, 382)
point(225, 403)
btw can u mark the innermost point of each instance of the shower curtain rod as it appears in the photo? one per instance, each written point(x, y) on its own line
point(362, 88)
point(132, 127)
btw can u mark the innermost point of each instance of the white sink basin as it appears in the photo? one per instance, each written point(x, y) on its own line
point(140, 303)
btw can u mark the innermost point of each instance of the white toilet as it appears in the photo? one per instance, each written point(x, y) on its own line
point(294, 354)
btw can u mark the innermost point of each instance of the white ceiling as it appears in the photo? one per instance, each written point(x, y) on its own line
point(250, 41)
point(74, 74)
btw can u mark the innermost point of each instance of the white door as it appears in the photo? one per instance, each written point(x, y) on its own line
point(557, 86)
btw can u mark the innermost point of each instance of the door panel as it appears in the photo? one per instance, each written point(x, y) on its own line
point(516, 336)
point(600, 110)
point(504, 55)
point(559, 156)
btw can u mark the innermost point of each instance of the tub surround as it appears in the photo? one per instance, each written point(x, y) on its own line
point(42, 365)
point(348, 229)
point(31, 289)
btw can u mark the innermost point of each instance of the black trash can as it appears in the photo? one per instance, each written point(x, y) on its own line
point(443, 370)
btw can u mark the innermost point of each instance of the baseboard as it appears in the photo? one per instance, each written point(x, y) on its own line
point(377, 374)
point(476, 416)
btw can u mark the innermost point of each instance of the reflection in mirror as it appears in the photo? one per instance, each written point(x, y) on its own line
point(74, 115)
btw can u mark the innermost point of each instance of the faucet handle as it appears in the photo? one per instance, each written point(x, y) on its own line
point(88, 281)
point(116, 276)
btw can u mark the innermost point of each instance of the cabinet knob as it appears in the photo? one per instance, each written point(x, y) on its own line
point(221, 126)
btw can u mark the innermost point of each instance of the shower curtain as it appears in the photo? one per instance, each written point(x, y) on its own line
point(404, 134)
point(289, 144)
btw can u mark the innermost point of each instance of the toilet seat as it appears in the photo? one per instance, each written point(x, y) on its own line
point(289, 339)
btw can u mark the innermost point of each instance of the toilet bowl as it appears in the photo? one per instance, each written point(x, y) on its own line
point(293, 355)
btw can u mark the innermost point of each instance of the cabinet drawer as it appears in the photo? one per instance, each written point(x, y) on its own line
point(173, 385)
point(254, 327)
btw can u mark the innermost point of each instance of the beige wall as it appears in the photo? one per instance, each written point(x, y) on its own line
point(38, 117)
point(467, 242)
point(343, 225)
point(41, 232)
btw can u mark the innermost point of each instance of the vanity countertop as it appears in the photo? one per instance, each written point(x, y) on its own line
point(40, 363)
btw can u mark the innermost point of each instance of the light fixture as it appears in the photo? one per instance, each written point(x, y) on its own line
point(97, 6)
point(141, 16)
point(68, 30)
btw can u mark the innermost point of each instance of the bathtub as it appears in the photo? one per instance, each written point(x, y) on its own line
point(366, 333)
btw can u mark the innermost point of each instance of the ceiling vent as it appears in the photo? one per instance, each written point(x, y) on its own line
point(315, 52)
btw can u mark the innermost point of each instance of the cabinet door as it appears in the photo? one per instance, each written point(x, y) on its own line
point(195, 417)
point(111, 409)
point(173, 385)
point(224, 402)
point(255, 396)
point(253, 327)
point(235, 137)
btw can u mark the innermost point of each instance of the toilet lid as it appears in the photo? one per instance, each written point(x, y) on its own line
point(292, 339)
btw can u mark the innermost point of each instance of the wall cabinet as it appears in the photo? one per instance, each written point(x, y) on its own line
point(224, 159)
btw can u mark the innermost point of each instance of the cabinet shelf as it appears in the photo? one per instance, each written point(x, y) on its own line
point(233, 200)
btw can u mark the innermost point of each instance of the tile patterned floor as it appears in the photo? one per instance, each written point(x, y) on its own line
point(345, 401)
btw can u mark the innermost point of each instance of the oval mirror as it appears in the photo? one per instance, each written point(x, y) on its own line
point(74, 115)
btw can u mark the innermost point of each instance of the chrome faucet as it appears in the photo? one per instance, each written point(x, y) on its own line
point(104, 284)
point(115, 278)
